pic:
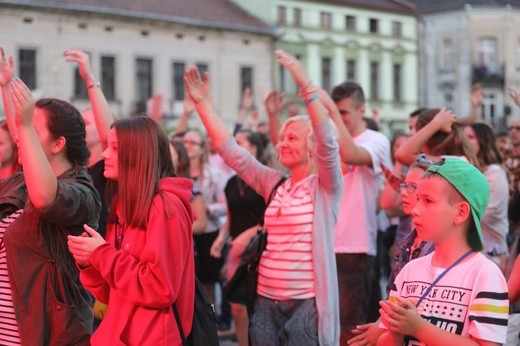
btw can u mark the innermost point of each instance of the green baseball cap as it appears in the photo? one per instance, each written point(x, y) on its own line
point(472, 185)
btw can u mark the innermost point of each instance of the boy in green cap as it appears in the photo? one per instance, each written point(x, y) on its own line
point(455, 295)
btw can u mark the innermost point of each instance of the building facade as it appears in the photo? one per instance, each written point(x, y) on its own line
point(373, 42)
point(462, 43)
point(138, 49)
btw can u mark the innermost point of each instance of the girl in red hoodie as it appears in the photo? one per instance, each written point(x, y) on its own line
point(146, 262)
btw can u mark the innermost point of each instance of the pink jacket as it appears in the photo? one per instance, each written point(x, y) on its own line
point(153, 268)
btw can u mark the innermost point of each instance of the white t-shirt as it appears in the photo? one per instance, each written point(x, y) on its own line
point(356, 228)
point(470, 300)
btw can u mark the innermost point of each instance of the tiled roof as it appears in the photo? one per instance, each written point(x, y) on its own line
point(432, 6)
point(395, 6)
point(207, 13)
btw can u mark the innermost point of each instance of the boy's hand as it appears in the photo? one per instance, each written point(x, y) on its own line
point(401, 318)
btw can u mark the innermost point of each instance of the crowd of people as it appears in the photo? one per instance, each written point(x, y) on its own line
point(105, 221)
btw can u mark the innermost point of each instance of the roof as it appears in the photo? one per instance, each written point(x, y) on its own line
point(222, 14)
point(433, 6)
point(395, 6)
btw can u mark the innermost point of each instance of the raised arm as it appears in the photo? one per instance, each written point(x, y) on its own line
point(273, 105)
point(197, 88)
point(6, 74)
point(102, 113)
point(187, 110)
point(411, 148)
point(40, 178)
point(313, 104)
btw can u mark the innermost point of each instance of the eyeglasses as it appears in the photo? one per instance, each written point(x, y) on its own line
point(410, 188)
point(516, 128)
point(192, 143)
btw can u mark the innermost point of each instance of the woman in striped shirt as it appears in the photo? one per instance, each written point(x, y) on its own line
point(297, 283)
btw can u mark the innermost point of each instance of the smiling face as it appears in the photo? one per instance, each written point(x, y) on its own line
point(293, 148)
point(110, 155)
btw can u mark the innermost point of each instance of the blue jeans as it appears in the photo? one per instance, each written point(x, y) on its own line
point(287, 322)
point(354, 280)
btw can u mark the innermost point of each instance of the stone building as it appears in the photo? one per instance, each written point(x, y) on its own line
point(373, 42)
point(138, 49)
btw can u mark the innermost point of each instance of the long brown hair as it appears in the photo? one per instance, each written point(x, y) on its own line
point(144, 158)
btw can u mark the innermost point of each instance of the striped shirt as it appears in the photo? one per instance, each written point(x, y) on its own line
point(9, 334)
point(286, 270)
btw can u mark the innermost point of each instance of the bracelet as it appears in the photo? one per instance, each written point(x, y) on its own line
point(307, 89)
point(94, 85)
point(313, 97)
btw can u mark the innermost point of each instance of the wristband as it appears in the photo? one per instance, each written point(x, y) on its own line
point(313, 97)
point(94, 85)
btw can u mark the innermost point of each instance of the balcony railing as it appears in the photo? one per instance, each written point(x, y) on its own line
point(489, 74)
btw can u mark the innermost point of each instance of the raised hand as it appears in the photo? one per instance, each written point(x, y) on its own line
point(476, 95)
point(197, 87)
point(294, 66)
point(83, 246)
point(515, 95)
point(83, 61)
point(274, 102)
point(247, 99)
point(23, 103)
point(444, 120)
point(6, 68)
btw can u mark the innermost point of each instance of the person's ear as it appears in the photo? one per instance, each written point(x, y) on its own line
point(362, 110)
point(59, 144)
point(463, 212)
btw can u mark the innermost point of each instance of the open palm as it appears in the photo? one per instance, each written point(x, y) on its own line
point(6, 68)
point(196, 86)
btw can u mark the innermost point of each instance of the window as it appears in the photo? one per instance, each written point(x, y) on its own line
point(108, 77)
point(326, 73)
point(202, 67)
point(487, 52)
point(397, 29)
point(398, 87)
point(326, 20)
point(283, 78)
point(374, 26)
point(246, 78)
point(350, 23)
point(281, 15)
point(448, 55)
point(448, 99)
point(351, 70)
point(374, 80)
point(27, 69)
point(143, 79)
point(490, 107)
point(297, 17)
point(178, 81)
point(80, 89)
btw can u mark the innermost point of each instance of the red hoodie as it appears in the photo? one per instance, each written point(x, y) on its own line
point(153, 269)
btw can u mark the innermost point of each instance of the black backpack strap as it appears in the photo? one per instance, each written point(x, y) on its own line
point(179, 325)
point(273, 192)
